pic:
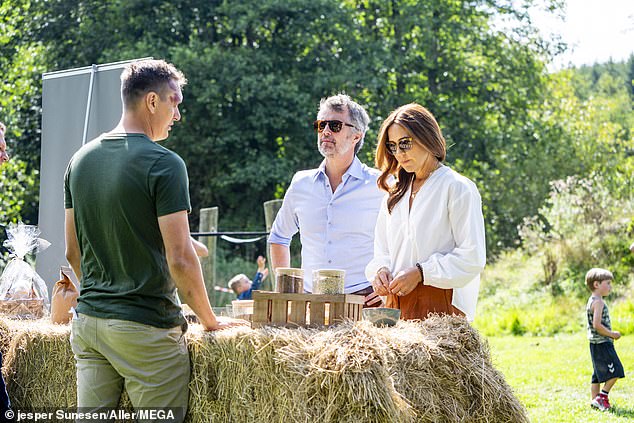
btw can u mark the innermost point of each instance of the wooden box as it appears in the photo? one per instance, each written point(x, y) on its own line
point(306, 310)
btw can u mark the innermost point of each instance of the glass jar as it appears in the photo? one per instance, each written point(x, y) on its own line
point(329, 281)
point(289, 280)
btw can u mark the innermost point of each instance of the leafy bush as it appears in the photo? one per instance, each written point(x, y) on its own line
point(539, 289)
point(584, 224)
point(18, 197)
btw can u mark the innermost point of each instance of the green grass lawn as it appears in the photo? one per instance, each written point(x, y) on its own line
point(551, 377)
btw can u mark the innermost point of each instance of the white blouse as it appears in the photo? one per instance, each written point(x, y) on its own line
point(443, 231)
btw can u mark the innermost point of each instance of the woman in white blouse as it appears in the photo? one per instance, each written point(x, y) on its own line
point(429, 245)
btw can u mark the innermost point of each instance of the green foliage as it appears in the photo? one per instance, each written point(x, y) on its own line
point(257, 70)
point(17, 185)
point(539, 289)
point(583, 225)
point(18, 197)
point(623, 312)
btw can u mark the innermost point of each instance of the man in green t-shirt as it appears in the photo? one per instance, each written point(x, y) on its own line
point(128, 240)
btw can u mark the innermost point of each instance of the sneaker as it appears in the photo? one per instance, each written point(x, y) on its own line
point(600, 403)
point(606, 402)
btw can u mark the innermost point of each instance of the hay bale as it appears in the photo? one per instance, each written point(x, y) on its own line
point(438, 370)
point(39, 368)
point(8, 329)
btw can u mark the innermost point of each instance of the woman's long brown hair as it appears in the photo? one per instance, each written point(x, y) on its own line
point(423, 128)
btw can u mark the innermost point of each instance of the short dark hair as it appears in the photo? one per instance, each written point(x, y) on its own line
point(144, 76)
point(597, 275)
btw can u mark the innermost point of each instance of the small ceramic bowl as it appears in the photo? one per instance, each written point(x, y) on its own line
point(382, 316)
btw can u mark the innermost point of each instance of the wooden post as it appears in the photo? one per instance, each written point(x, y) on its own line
point(270, 211)
point(209, 223)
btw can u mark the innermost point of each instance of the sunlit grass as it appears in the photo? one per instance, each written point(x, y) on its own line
point(551, 377)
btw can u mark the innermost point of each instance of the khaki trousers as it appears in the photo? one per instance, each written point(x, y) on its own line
point(152, 363)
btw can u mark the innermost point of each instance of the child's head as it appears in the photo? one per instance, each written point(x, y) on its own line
point(240, 283)
point(595, 276)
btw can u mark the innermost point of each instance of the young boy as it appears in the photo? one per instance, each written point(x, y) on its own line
point(241, 284)
point(606, 364)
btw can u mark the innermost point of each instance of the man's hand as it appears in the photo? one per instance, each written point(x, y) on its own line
point(373, 300)
point(226, 323)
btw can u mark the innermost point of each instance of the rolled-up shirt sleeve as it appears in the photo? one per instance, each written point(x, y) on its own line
point(286, 223)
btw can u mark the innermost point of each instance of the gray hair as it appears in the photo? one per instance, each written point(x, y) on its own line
point(358, 116)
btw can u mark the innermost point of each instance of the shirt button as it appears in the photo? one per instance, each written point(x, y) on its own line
point(329, 242)
point(329, 261)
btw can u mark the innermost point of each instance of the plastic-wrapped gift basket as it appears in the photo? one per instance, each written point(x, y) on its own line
point(23, 293)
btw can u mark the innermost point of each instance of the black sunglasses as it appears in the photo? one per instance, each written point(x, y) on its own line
point(334, 125)
point(404, 144)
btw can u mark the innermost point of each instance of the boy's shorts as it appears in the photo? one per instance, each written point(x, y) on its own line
point(605, 362)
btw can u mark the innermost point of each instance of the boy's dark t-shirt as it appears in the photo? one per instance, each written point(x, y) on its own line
point(118, 185)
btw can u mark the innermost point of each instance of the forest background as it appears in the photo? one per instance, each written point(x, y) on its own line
point(551, 152)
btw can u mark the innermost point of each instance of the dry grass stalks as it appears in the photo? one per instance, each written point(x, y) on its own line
point(438, 370)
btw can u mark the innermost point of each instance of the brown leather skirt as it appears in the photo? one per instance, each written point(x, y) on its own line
point(423, 300)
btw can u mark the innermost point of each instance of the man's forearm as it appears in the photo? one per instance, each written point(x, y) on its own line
point(72, 252)
point(188, 277)
point(75, 264)
point(280, 256)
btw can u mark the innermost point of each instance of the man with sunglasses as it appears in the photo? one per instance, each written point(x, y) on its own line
point(335, 206)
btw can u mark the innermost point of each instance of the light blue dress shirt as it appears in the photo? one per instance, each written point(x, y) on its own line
point(336, 229)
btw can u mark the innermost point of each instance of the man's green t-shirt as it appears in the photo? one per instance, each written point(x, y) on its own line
point(118, 185)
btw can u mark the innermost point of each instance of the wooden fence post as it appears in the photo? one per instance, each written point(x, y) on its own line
point(270, 211)
point(209, 223)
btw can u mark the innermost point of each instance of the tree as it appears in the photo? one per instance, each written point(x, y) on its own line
point(257, 70)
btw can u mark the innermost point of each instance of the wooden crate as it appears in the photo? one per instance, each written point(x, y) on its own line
point(307, 310)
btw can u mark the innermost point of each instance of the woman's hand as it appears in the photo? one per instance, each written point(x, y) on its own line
point(381, 282)
point(405, 281)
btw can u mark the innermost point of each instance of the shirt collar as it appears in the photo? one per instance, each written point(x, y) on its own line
point(355, 169)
